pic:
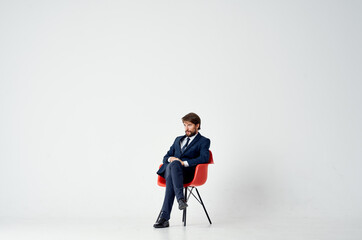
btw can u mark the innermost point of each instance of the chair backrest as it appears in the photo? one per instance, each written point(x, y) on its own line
point(201, 173)
point(211, 159)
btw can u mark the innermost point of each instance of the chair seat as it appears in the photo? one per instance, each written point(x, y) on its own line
point(199, 179)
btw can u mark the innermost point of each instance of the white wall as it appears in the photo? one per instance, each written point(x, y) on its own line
point(92, 92)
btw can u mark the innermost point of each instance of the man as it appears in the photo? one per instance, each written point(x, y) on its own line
point(179, 165)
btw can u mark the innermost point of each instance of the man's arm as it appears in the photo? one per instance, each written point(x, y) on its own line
point(170, 153)
point(169, 157)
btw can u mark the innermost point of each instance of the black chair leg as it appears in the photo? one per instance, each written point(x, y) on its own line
point(184, 211)
point(202, 203)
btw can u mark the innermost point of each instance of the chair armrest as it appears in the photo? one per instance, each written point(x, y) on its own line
point(160, 180)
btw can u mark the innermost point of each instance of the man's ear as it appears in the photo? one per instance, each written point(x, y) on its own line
point(198, 126)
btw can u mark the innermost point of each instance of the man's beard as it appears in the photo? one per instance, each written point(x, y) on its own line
point(191, 134)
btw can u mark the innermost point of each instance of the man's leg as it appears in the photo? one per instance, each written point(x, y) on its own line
point(177, 179)
point(174, 187)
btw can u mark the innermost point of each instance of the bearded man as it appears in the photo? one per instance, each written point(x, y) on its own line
point(179, 165)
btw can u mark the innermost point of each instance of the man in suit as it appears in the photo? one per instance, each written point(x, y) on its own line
point(179, 165)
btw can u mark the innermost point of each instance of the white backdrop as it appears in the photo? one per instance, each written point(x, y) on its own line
point(92, 94)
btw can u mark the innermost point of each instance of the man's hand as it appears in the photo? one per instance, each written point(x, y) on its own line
point(176, 159)
point(173, 159)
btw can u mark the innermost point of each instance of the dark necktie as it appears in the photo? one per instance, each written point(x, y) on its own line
point(187, 143)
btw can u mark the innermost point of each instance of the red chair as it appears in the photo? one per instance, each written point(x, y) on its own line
point(200, 178)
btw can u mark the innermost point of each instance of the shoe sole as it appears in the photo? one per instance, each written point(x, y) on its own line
point(161, 226)
point(182, 208)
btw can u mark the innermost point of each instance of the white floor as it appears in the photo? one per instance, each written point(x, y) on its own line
point(249, 229)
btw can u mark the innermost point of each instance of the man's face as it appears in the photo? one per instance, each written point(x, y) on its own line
point(190, 128)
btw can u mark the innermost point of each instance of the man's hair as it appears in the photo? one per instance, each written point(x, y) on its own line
point(192, 117)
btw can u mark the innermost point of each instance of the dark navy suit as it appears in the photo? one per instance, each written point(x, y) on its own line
point(197, 152)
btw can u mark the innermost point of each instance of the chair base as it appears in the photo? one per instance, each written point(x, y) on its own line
point(198, 198)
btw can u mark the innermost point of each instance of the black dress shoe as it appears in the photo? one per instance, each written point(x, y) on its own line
point(182, 204)
point(161, 223)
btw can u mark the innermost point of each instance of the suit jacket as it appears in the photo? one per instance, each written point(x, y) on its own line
point(197, 152)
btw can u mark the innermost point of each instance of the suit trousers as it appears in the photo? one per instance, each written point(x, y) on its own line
point(174, 187)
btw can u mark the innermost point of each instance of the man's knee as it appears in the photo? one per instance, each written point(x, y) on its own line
point(172, 165)
point(176, 164)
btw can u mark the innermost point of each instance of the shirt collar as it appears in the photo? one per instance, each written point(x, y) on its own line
point(192, 138)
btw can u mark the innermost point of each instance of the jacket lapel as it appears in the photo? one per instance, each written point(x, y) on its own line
point(178, 145)
point(192, 143)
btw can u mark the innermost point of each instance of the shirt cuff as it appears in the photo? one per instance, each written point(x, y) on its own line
point(186, 164)
point(168, 160)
